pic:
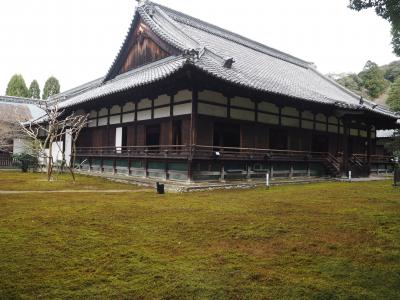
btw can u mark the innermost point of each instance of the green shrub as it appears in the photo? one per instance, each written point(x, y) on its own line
point(26, 161)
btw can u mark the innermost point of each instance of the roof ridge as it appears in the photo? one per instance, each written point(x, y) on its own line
point(173, 23)
point(158, 30)
point(232, 36)
point(20, 100)
point(77, 90)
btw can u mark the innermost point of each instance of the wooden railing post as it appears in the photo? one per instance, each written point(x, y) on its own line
point(248, 171)
point(222, 178)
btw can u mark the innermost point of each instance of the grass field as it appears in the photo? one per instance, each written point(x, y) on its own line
point(319, 241)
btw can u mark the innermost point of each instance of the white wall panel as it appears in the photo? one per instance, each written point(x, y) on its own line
point(268, 107)
point(162, 100)
point(103, 121)
point(212, 96)
point(144, 103)
point(183, 95)
point(162, 112)
point(182, 109)
point(290, 111)
point(241, 114)
point(129, 106)
point(115, 119)
point(268, 118)
point(144, 115)
point(103, 112)
point(213, 110)
point(116, 109)
point(290, 122)
point(127, 118)
point(307, 124)
point(242, 102)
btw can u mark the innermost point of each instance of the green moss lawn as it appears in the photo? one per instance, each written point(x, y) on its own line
point(319, 241)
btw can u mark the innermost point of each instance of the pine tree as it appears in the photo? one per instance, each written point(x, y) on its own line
point(17, 87)
point(51, 87)
point(394, 96)
point(34, 90)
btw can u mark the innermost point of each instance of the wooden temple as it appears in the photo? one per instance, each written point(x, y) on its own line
point(186, 100)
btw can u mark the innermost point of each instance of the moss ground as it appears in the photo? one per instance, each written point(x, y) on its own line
point(319, 241)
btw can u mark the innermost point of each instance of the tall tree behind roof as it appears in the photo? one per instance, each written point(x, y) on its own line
point(34, 90)
point(373, 79)
point(17, 86)
point(387, 9)
point(51, 87)
point(394, 96)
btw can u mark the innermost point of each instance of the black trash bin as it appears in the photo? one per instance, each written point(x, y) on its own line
point(160, 188)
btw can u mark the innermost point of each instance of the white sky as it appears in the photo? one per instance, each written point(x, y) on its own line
point(77, 40)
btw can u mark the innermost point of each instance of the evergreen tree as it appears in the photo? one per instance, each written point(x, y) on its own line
point(34, 90)
point(373, 79)
point(17, 87)
point(392, 71)
point(394, 96)
point(51, 87)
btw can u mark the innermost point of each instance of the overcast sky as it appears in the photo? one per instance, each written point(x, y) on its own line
point(77, 40)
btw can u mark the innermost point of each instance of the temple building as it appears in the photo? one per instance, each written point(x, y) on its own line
point(186, 100)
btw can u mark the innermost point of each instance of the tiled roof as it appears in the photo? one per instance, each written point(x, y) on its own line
point(135, 78)
point(208, 48)
point(10, 112)
point(19, 109)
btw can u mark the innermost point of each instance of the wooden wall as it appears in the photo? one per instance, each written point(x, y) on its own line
point(143, 50)
point(205, 132)
point(97, 137)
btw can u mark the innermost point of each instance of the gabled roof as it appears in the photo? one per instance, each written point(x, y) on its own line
point(227, 56)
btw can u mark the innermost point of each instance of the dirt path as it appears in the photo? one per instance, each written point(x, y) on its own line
point(74, 191)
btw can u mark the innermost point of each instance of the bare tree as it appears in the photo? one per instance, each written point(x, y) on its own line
point(51, 129)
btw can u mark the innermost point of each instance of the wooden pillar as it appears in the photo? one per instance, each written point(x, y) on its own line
point(369, 141)
point(146, 168)
point(345, 145)
point(193, 123)
point(193, 132)
point(136, 116)
point(166, 169)
point(190, 171)
point(248, 171)
point(291, 172)
point(222, 178)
